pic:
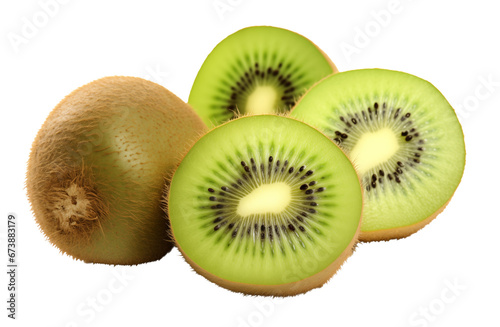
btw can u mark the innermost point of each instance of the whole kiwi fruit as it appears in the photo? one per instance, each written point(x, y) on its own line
point(98, 164)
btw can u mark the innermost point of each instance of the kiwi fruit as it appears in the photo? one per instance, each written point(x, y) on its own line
point(96, 169)
point(259, 69)
point(265, 204)
point(403, 137)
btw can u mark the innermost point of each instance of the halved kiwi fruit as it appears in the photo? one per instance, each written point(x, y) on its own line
point(260, 69)
point(97, 167)
point(265, 205)
point(403, 137)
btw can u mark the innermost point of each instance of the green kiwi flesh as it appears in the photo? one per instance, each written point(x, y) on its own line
point(97, 166)
point(403, 137)
point(265, 204)
point(260, 69)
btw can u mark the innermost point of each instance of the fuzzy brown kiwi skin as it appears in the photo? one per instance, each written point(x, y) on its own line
point(280, 290)
point(95, 177)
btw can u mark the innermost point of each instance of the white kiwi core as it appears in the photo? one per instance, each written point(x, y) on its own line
point(267, 198)
point(262, 100)
point(373, 149)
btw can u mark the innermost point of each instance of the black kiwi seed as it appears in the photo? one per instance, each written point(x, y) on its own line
point(291, 227)
point(381, 173)
point(304, 187)
point(211, 190)
point(290, 170)
point(397, 113)
point(320, 189)
point(309, 191)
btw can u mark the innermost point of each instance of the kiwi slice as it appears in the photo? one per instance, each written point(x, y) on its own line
point(403, 137)
point(265, 205)
point(97, 167)
point(260, 69)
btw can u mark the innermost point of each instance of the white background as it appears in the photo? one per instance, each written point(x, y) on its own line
point(453, 44)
